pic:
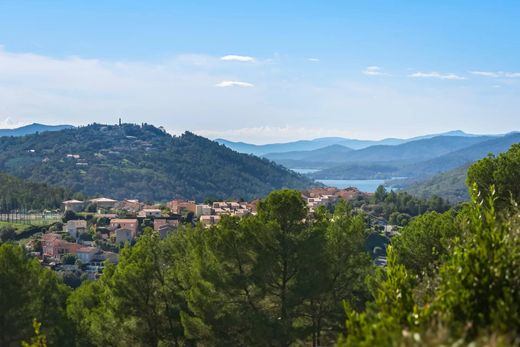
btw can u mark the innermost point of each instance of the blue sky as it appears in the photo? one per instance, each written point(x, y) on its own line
point(264, 71)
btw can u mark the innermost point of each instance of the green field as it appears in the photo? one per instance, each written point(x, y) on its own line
point(19, 227)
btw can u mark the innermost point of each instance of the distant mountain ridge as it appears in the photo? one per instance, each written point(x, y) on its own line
point(33, 129)
point(425, 168)
point(309, 145)
point(421, 149)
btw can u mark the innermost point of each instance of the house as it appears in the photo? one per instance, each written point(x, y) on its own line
point(75, 227)
point(209, 220)
point(159, 222)
point(86, 254)
point(129, 224)
point(53, 246)
point(103, 203)
point(73, 205)
point(181, 206)
point(150, 213)
point(202, 210)
point(125, 229)
point(129, 205)
point(123, 236)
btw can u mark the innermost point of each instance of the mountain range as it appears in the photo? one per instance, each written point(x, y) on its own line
point(419, 159)
point(143, 162)
point(32, 129)
point(309, 145)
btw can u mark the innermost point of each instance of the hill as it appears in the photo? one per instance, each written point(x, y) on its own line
point(402, 163)
point(461, 157)
point(142, 162)
point(32, 129)
point(414, 150)
point(332, 153)
point(16, 193)
point(450, 185)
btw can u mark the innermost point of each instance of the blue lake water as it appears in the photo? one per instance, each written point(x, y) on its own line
point(367, 186)
point(305, 171)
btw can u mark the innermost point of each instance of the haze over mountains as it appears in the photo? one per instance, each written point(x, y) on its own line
point(32, 129)
point(309, 145)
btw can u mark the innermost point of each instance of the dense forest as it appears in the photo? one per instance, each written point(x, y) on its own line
point(143, 162)
point(16, 193)
point(279, 278)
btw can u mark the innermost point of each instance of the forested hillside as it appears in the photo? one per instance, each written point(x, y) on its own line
point(450, 185)
point(142, 162)
point(279, 278)
point(16, 193)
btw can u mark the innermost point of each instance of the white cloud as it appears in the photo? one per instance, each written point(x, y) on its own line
point(314, 60)
point(438, 75)
point(180, 93)
point(225, 84)
point(485, 73)
point(496, 74)
point(241, 58)
point(374, 71)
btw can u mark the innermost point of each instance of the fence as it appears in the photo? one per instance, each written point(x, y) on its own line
point(30, 218)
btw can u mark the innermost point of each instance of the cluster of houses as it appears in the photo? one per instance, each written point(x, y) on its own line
point(211, 214)
point(327, 196)
point(120, 222)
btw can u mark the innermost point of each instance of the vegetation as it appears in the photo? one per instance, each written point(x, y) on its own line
point(30, 292)
point(279, 278)
point(143, 162)
point(268, 279)
point(450, 185)
point(455, 274)
point(16, 193)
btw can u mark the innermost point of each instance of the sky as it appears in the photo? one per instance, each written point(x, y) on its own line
point(264, 71)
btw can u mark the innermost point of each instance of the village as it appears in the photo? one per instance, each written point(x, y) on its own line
point(93, 231)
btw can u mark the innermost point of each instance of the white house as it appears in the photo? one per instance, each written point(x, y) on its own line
point(73, 205)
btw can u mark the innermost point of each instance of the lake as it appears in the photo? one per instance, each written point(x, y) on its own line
point(367, 186)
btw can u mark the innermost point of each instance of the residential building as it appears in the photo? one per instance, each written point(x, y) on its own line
point(209, 220)
point(75, 227)
point(159, 222)
point(181, 206)
point(53, 246)
point(86, 254)
point(125, 229)
point(150, 213)
point(103, 203)
point(123, 236)
point(73, 205)
point(202, 210)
